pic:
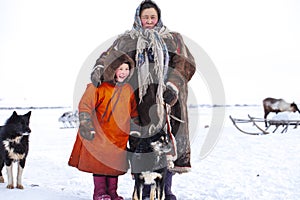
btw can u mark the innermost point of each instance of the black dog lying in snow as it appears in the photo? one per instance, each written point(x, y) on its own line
point(14, 137)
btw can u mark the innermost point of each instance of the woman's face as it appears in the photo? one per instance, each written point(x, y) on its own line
point(149, 18)
point(122, 72)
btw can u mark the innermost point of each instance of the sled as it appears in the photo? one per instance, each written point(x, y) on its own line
point(259, 124)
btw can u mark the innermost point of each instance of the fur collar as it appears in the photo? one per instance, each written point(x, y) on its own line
point(113, 60)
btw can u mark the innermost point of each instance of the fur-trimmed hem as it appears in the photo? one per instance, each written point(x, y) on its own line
point(180, 170)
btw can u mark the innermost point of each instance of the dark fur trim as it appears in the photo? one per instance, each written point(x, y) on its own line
point(113, 60)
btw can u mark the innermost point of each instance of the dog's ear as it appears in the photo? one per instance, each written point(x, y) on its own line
point(28, 114)
point(14, 115)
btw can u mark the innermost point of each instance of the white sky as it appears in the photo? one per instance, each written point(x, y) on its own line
point(254, 45)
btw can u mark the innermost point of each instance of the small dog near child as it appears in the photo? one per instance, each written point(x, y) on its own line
point(149, 161)
point(14, 141)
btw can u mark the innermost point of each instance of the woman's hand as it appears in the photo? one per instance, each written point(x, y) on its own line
point(170, 95)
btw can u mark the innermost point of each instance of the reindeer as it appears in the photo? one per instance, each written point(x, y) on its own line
point(277, 105)
point(69, 119)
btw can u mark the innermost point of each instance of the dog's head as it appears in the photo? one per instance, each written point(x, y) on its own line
point(20, 123)
point(161, 143)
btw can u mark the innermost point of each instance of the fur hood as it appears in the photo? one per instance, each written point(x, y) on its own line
point(113, 60)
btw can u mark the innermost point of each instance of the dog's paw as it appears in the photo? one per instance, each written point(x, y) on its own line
point(20, 187)
point(10, 186)
point(1, 179)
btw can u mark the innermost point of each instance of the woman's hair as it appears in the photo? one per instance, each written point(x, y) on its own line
point(150, 4)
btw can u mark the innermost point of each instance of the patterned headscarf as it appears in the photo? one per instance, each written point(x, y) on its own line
point(137, 25)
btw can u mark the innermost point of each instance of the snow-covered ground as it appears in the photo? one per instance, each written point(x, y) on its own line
point(239, 167)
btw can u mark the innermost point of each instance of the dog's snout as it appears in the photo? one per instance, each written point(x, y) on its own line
point(27, 130)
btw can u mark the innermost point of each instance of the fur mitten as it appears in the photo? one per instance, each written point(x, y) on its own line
point(86, 128)
point(96, 75)
point(135, 134)
point(171, 94)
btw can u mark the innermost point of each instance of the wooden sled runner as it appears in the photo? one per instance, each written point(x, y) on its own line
point(261, 129)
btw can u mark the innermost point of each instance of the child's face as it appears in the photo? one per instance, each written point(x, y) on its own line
point(122, 72)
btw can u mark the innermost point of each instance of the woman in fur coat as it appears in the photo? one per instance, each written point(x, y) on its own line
point(105, 114)
point(164, 65)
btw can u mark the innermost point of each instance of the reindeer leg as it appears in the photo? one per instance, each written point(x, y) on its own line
point(265, 117)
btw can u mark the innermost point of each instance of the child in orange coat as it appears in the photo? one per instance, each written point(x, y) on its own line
point(105, 114)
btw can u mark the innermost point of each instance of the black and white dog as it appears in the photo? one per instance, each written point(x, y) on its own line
point(149, 162)
point(14, 141)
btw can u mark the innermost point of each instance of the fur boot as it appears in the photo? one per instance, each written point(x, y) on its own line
point(112, 186)
point(100, 188)
point(168, 186)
